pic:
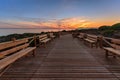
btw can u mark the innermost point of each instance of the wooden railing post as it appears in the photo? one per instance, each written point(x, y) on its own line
point(35, 40)
point(100, 41)
point(13, 39)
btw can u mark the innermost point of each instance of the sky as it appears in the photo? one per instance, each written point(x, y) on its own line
point(53, 14)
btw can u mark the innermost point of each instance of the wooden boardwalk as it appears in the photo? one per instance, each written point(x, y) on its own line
point(65, 59)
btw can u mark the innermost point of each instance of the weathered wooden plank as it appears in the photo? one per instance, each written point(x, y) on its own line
point(43, 38)
point(113, 41)
point(51, 35)
point(9, 51)
point(89, 40)
point(12, 43)
point(12, 58)
point(74, 79)
point(43, 35)
point(74, 75)
point(112, 50)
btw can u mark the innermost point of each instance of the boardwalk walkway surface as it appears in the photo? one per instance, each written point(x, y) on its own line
point(65, 59)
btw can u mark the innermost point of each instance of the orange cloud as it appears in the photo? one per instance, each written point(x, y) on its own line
point(97, 24)
point(73, 23)
point(66, 23)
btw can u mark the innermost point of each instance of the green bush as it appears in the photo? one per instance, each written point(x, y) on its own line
point(108, 33)
point(103, 28)
point(115, 26)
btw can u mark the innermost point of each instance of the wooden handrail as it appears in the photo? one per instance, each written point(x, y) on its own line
point(31, 41)
point(102, 38)
point(33, 38)
point(108, 42)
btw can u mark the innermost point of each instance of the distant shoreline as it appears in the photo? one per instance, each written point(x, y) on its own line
point(8, 31)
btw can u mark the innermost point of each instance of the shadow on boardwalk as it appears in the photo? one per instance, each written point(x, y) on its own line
point(65, 59)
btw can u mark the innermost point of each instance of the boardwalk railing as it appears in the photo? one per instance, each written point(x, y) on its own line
point(13, 50)
point(110, 45)
point(114, 47)
point(101, 40)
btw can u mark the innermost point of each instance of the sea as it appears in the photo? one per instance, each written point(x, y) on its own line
point(7, 31)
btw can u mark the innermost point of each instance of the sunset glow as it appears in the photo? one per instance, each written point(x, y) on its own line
point(53, 14)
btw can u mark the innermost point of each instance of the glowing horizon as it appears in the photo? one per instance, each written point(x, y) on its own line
point(67, 23)
point(53, 14)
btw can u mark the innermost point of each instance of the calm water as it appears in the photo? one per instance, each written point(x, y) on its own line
point(4, 32)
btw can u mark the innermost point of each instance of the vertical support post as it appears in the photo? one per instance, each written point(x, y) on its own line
point(114, 56)
point(84, 36)
point(100, 41)
point(91, 45)
point(106, 54)
point(34, 52)
point(44, 45)
point(13, 39)
point(35, 40)
point(97, 42)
